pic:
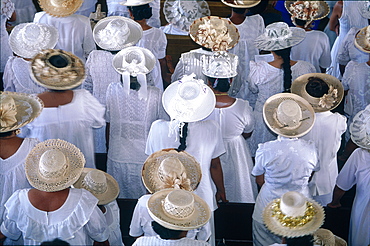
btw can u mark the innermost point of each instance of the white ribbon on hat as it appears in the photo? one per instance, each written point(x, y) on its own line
point(143, 91)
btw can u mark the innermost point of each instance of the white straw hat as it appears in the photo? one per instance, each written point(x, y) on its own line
point(60, 8)
point(307, 10)
point(325, 237)
point(220, 65)
point(54, 165)
point(18, 109)
point(360, 128)
point(362, 39)
point(102, 185)
point(279, 35)
point(293, 215)
point(241, 3)
point(288, 115)
point(135, 2)
point(116, 33)
point(28, 39)
point(178, 209)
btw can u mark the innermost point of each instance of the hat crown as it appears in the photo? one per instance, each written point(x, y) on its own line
point(134, 62)
point(289, 113)
point(59, 3)
point(170, 166)
point(278, 31)
point(179, 204)
point(115, 33)
point(8, 111)
point(53, 164)
point(220, 65)
point(293, 204)
point(33, 33)
point(95, 181)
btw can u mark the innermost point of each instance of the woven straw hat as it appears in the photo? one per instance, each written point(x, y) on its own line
point(168, 168)
point(362, 39)
point(57, 69)
point(307, 10)
point(60, 8)
point(288, 115)
point(102, 185)
point(279, 36)
point(364, 9)
point(116, 33)
point(293, 215)
point(54, 165)
point(215, 33)
point(241, 3)
point(220, 65)
point(360, 128)
point(325, 237)
point(28, 39)
point(328, 101)
point(135, 2)
point(18, 109)
point(178, 209)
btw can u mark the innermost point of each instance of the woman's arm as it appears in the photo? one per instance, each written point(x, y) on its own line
point(334, 18)
point(218, 179)
point(337, 195)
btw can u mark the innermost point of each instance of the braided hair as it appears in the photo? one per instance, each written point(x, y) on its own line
point(285, 54)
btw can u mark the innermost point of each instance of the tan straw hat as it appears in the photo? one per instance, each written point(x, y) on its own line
point(307, 10)
point(362, 39)
point(325, 237)
point(293, 215)
point(18, 109)
point(220, 65)
point(54, 165)
point(135, 2)
point(360, 128)
point(288, 115)
point(169, 168)
point(328, 101)
point(178, 209)
point(102, 185)
point(364, 8)
point(60, 8)
point(57, 69)
point(241, 3)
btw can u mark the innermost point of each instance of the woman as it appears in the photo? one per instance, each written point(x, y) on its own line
point(269, 78)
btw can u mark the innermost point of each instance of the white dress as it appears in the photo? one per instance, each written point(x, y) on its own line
point(78, 221)
point(7, 9)
point(155, 40)
point(332, 126)
point(75, 33)
point(267, 80)
point(157, 241)
point(112, 215)
point(72, 122)
point(17, 77)
point(356, 171)
point(237, 162)
point(25, 11)
point(314, 48)
point(87, 7)
point(130, 119)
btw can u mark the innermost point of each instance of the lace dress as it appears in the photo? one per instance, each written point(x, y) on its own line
point(7, 9)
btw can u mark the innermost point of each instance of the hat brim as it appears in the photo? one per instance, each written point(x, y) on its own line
point(263, 42)
point(245, 4)
point(299, 87)
point(269, 110)
point(323, 10)
point(359, 128)
point(361, 41)
point(200, 216)
point(127, 3)
point(60, 11)
point(109, 195)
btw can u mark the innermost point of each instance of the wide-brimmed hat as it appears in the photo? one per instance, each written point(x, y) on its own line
point(215, 33)
point(28, 39)
point(307, 10)
point(18, 109)
point(60, 8)
point(178, 209)
point(279, 36)
point(116, 33)
point(169, 168)
point(57, 69)
point(362, 39)
point(325, 237)
point(328, 101)
point(293, 215)
point(54, 165)
point(364, 8)
point(101, 184)
point(220, 65)
point(135, 2)
point(288, 115)
point(360, 128)
point(241, 3)
point(182, 13)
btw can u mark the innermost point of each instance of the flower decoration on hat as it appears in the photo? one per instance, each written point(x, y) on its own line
point(307, 10)
point(328, 100)
point(8, 112)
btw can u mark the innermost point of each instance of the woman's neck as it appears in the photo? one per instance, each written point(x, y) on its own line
point(143, 24)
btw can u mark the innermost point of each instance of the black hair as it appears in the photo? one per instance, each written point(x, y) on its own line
point(141, 12)
point(300, 241)
point(285, 54)
point(316, 87)
point(239, 10)
point(134, 84)
point(184, 134)
point(220, 84)
point(259, 8)
point(6, 134)
point(56, 241)
point(164, 232)
point(300, 22)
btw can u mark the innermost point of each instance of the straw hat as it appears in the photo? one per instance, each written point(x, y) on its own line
point(102, 185)
point(241, 3)
point(169, 168)
point(364, 8)
point(182, 13)
point(279, 36)
point(178, 209)
point(220, 65)
point(288, 115)
point(60, 8)
point(54, 165)
point(360, 128)
point(28, 39)
point(116, 33)
point(135, 2)
point(362, 39)
point(215, 33)
point(18, 109)
point(328, 101)
point(57, 69)
point(307, 10)
point(293, 215)
point(325, 237)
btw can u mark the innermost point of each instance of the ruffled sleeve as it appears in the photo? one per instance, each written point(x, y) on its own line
point(94, 109)
point(249, 118)
point(162, 44)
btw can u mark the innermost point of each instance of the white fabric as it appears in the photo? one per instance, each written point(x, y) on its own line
point(75, 33)
point(237, 162)
point(25, 11)
point(17, 77)
point(356, 171)
point(267, 80)
point(7, 9)
point(171, 29)
point(157, 241)
point(130, 120)
point(332, 126)
point(78, 221)
point(87, 7)
point(349, 52)
point(314, 48)
point(112, 215)
point(72, 122)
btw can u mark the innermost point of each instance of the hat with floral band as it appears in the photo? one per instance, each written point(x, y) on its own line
point(60, 8)
point(307, 10)
point(362, 39)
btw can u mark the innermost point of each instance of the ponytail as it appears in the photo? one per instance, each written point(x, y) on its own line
point(183, 137)
point(285, 54)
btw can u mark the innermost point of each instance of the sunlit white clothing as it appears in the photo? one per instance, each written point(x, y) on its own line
point(112, 215)
point(156, 241)
point(7, 9)
point(349, 52)
point(87, 7)
point(173, 30)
